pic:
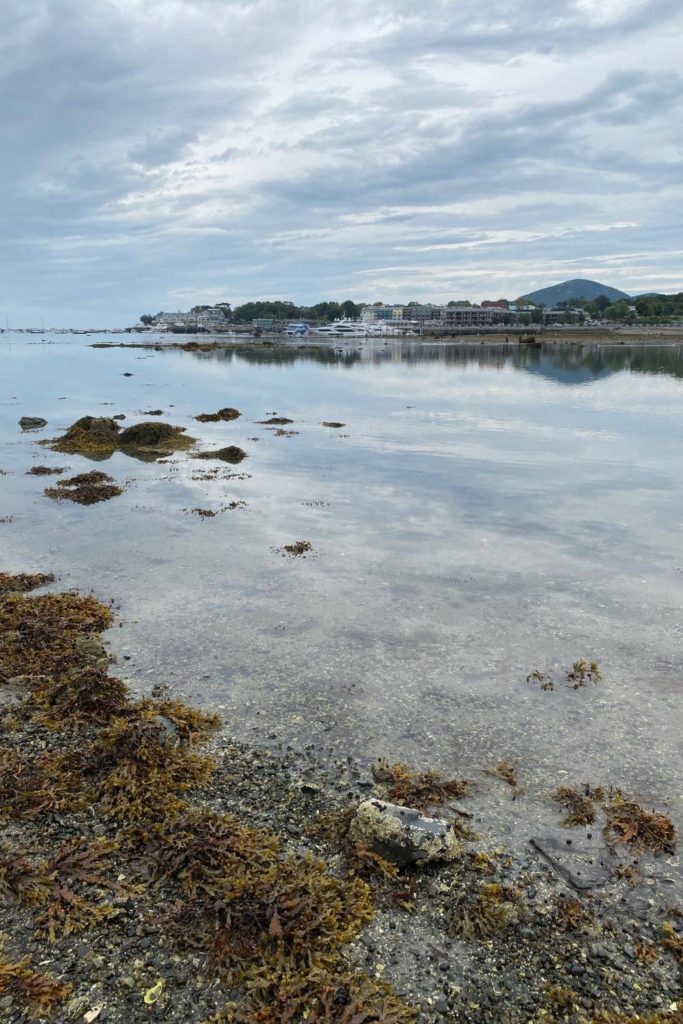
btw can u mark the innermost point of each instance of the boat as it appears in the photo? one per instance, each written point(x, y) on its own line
point(343, 329)
point(296, 330)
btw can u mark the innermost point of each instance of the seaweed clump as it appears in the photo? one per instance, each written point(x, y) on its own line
point(139, 766)
point(571, 915)
point(582, 673)
point(224, 415)
point(400, 785)
point(37, 993)
point(333, 425)
point(87, 694)
point(85, 488)
point(33, 786)
point(298, 548)
point(66, 888)
point(490, 911)
point(275, 421)
point(23, 581)
point(46, 470)
point(269, 923)
point(580, 808)
point(335, 998)
point(627, 822)
point(41, 634)
point(505, 771)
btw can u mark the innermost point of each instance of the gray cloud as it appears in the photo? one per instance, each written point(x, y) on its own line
point(154, 152)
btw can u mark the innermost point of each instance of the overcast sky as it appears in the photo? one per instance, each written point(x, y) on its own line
point(161, 153)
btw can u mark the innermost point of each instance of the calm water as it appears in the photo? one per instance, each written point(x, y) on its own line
point(483, 514)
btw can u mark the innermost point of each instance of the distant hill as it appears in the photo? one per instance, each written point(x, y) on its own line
point(574, 289)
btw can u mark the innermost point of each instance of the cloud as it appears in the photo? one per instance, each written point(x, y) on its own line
point(255, 148)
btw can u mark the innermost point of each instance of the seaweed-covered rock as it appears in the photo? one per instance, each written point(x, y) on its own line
point(155, 436)
point(226, 415)
point(32, 422)
point(100, 436)
point(230, 454)
point(89, 434)
point(403, 835)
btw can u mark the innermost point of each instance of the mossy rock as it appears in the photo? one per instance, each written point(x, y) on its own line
point(154, 436)
point(100, 436)
point(231, 454)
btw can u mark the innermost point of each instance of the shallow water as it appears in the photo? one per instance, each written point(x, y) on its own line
point(482, 514)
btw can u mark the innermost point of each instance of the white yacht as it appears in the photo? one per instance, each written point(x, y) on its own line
point(296, 330)
point(343, 329)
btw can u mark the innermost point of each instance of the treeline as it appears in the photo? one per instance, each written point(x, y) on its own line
point(649, 308)
point(275, 310)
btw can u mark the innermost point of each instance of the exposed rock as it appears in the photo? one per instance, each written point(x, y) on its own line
point(222, 414)
point(154, 436)
point(333, 424)
point(403, 835)
point(32, 422)
point(230, 454)
point(100, 436)
point(276, 421)
point(581, 862)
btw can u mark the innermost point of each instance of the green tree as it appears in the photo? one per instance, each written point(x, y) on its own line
point(147, 319)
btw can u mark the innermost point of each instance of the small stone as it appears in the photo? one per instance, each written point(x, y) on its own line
point(128, 982)
point(32, 422)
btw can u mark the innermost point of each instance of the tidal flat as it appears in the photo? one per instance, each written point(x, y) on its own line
point(418, 584)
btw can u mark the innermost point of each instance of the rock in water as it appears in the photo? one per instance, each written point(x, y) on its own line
point(153, 435)
point(403, 835)
point(32, 422)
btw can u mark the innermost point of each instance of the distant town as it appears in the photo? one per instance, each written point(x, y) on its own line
point(594, 305)
point(571, 304)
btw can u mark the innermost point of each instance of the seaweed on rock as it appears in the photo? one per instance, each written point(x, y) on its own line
point(101, 436)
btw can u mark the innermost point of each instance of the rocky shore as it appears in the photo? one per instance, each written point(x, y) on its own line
point(153, 866)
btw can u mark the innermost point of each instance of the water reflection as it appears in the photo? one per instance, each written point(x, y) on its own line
point(568, 365)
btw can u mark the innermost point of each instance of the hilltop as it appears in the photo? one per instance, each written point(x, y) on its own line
point(577, 288)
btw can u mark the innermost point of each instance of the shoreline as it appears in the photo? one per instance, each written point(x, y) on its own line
point(572, 929)
point(553, 339)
